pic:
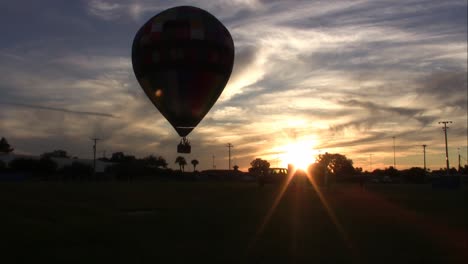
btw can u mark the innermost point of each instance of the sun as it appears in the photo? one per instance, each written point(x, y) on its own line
point(300, 154)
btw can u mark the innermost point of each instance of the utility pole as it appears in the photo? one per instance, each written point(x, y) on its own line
point(459, 165)
point(229, 145)
point(424, 150)
point(446, 147)
point(394, 159)
point(94, 153)
point(214, 166)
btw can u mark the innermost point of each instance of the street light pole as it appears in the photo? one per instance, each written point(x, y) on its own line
point(424, 150)
point(446, 146)
point(229, 145)
point(394, 159)
point(94, 153)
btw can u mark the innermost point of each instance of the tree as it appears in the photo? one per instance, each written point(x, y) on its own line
point(414, 175)
point(182, 162)
point(58, 153)
point(236, 168)
point(4, 146)
point(391, 172)
point(194, 163)
point(259, 166)
point(119, 157)
point(336, 165)
point(155, 162)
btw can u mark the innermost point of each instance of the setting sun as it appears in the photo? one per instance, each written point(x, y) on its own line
point(300, 154)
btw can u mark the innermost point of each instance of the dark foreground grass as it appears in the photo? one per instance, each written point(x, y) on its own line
point(201, 222)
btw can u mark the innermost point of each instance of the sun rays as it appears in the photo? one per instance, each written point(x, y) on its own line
point(293, 172)
point(299, 153)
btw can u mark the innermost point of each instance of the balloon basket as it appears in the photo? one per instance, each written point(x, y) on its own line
point(184, 146)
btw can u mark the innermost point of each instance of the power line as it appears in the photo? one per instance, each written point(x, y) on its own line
point(446, 146)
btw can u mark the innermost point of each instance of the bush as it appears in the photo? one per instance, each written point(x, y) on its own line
point(414, 175)
point(23, 164)
point(46, 166)
point(77, 169)
point(43, 167)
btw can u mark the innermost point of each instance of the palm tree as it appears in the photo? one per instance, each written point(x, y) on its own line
point(194, 163)
point(181, 161)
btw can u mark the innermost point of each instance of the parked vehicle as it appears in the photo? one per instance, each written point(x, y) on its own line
point(274, 175)
point(387, 179)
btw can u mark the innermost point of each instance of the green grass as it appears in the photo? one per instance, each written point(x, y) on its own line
point(180, 222)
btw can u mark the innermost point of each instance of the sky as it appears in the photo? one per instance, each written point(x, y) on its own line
point(360, 78)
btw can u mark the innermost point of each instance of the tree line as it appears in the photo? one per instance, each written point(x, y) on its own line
point(328, 166)
point(336, 167)
point(123, 166)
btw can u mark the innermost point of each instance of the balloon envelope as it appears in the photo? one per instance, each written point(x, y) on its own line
point(183, 58)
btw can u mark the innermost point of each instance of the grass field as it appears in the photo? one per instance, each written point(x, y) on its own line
point(207, 222)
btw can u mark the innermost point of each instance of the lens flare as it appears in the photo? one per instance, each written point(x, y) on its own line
point(301, 154)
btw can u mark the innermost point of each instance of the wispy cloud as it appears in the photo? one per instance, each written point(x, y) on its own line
point(348, 74)
point(63, 110)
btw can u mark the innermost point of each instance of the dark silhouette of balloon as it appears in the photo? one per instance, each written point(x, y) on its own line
point(183, 58)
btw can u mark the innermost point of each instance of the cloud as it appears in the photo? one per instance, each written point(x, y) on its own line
point(104, 9)
point(63, 110)
point(349, 74)
point(445, 86)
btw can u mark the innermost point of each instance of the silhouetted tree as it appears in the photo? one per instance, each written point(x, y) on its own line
point(182, 162)
point(117, 157)
point(155, 162)
point(58, 153)
point(414, 175)
point(236, 168)
point(4, 146)
point(105, 159)
point(336, 165)
point(194, 163)
point(391, 172)
point(121, 157)
point(464, 170)
point(259, 166)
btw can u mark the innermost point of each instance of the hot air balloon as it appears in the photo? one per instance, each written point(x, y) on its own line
point(182, 58)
